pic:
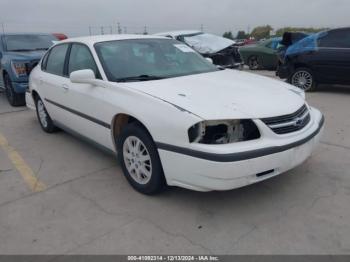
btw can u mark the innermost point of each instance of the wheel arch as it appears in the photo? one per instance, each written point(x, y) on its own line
point(35, 95)
point(120, 120)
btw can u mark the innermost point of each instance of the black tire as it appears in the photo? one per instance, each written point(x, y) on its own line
point(254, 63)
point(310, 83)
point(47, 126)
point(156, 183)
point(14, 98)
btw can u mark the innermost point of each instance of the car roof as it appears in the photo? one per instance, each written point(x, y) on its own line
point(106, 38)
point(178, 33)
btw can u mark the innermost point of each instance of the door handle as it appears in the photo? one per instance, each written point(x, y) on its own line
point(65, 87)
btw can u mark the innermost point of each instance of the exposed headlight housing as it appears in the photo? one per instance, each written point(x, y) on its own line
point(223, 132)
point(19, 68)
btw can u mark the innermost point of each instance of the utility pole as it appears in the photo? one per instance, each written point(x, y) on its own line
point(90, 30)
point(202, 28)
point(102, 30)
point(3, 28)
point(145, 31)
point(120, 31)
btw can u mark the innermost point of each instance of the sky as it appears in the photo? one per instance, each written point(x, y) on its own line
point(80, 17)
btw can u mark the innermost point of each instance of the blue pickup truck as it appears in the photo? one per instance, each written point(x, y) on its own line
point(19, 54)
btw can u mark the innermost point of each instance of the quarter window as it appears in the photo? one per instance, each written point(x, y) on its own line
point(56, 59)
point(336, 39)
point(81, 58)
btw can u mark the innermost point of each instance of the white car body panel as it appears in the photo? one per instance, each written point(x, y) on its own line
point(169, 107)
point(237, 95)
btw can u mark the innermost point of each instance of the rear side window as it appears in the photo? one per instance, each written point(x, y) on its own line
point(56, 60)
point(336, 39)
point(81, 58)
point(44, 62)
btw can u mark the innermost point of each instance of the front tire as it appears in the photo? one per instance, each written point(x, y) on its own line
point(254, 63)
point(139, 159)
point(44, 118)
point(14, 98)
point(303, 78)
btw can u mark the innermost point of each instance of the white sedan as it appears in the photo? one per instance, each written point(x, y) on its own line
point(173, 117)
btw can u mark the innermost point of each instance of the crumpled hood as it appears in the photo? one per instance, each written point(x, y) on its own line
point(208, 43)
point(26, 56)
point(227, 94)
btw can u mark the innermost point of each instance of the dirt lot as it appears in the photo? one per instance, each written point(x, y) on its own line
point(59, 195)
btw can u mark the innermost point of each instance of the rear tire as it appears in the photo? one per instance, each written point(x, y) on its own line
point(140, 161)
point(14, 98)
point(44, 118)
point(303, 78)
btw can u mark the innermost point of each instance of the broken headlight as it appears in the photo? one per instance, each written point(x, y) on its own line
point(223, 132)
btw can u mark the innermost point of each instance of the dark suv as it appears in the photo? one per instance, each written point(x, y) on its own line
point(322, 58)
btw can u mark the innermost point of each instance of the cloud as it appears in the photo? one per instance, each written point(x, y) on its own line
point(75, 16)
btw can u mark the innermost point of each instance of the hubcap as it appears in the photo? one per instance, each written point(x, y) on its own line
point(137, 160)
point(254, 64)
point(302, 79)
point(42, 113)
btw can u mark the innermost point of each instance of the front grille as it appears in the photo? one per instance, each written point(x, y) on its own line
point(289, 123)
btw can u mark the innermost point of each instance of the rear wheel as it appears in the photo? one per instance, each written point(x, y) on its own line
point(44, 118)
point(14, 98)
point(254, 63)
point(139, 159)
point(304, 79)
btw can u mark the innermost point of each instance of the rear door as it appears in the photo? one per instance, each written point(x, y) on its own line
point(332, 60)
point(53, 82)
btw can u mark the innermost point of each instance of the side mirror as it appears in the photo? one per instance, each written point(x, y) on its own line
point(86, 76)
point(210, 60)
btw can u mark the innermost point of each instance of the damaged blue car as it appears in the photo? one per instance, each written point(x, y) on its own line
point(321, 58)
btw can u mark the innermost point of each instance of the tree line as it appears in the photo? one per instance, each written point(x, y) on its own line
point(266, 31)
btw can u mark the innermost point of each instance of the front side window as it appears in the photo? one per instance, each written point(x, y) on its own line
point(23, 43)
point(56, 59)
point(335, 39)
point(161, 58)
point(81, 58)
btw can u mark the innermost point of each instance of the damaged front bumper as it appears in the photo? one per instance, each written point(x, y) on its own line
point(231, 168)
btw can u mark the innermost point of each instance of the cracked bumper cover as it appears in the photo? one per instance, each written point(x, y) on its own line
point(202, 171)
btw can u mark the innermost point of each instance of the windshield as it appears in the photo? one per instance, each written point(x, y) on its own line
point(149, 59)
point(207, 43)
point(28, 42)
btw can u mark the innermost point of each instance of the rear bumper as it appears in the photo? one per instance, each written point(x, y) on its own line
point(207, 171)
point(29, 101)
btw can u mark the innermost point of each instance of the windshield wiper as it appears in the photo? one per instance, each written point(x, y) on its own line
point(139, 78)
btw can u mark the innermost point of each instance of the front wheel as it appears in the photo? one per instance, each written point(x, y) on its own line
point(139, 159)
point(14, 98)
point(304, 79)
